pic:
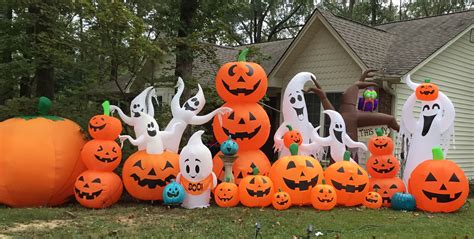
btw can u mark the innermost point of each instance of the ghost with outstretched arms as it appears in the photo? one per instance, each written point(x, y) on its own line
point(433, 128)
point(338, 138)
point(187, 114)
point(142, 103)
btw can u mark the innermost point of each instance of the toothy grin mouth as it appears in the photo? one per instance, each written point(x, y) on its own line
point(299, 113)
point(301, 185)
point(370, 200)
point(325, 200)
point(241, 90)
point(225, 199)
point(388, 170)
point(386, 200)
point(242, 135)
point(88, 196)
point(348, 188)
point(258, 193)
point(427, 92)
point(282, 203)
point(172, 195)
point(105, 160)
point(442, 198)
point(96, 128)
point(381, 146)
point(152, 183)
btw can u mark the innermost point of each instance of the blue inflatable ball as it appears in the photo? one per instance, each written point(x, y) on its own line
point(173, 193)
point(403, 201)
point(229, 147)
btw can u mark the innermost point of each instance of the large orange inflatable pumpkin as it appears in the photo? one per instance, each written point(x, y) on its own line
point(244, 164)
point(248, 125)
point(296, 175)
point(96, 189)
point(39, 159)
point(241, 81)
point(101, 155)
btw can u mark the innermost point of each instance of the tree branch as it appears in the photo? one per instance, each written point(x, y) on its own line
point(273, 31)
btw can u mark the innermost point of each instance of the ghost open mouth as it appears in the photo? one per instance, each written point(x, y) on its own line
point(387, 170)
point(258, 193)
point(428, 120)
point(380, 146)
point(299, 113)
point(188, 107)
point(242, 135)
point(152, 183)
point(442, 198)
point(427, 92)
point(151, 133)
point(225, 199)
point(282, 203)
point(338, 135)
point(241, 90)
point(302, 185)
point(96, 128)
point(88, 196)
point(325, 200)
point(136, 114)
point(371, 200)
point(105, 160)
point(172, 195)
point(348, 188)
point(386, 200)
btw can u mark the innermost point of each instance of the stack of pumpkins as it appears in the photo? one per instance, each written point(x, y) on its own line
point(241, 85)
point(99, 186)
point(383, 167)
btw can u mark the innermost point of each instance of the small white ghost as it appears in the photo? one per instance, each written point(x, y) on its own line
point(187, 114)
point(196, 176)
point(338, 139)
point(142, 103)
point(152, 138)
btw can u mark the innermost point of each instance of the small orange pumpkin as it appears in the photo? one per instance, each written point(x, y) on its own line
point(350, 181)
point(281, 200)
point(387, 187)
point(372, 200)
point(323, 197)
point(438, 185)
point(226, 194)
point(241, 81)
point(382, 166)
point(292, 136)
point(105, 126)
point(427, 91)
point(244, 164)
point(96, 189)
point(101, 155)
point(256, 190)
point(380, 144)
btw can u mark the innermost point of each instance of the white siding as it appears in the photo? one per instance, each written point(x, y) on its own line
point(453, 71)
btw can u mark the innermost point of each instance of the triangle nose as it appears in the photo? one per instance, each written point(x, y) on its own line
point(152, 172)
point(241, 121)
point(86, 185)
point(241, 79)
point(443, 187)
point(352, 179)
point(302, 174)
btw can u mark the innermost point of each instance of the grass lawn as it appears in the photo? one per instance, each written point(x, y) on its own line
point(145, 220)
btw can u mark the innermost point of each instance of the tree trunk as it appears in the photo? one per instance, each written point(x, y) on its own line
point(7, 90)
point(373, 9)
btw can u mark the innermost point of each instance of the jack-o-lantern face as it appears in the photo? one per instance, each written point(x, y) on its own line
point(281, 200)
point(256, 190)
point(102, 155)
point(104, 127)
point(372, 200)
point(226, 194)
point(95, 189)
point(380, 144)
point(323, 197)
point(296, 175)
point(387, 187)
point(438, 185)
point(173, 193)
point(427, 91)
point(244, 165)
point(229, 147)
point(241, 81)
point(382, 166)
point(292, 136)
point(248, 125)
point(145, 175)
point(349, 180)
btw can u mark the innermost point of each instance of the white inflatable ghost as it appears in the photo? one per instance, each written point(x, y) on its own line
point(295, 113)
point(196, 176)
point(142, 103)
point(187, 114)
point(152, 138)
point(434, 128)
point(338, 139)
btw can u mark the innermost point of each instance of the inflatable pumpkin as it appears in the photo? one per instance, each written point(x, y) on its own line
point(323, 197)
point(96, 189)
point(382, 166)
point(427, 91)
point(226, 194)
point(105, 126)
point(438, 185)
point(248, 125)
point(101, 155)
point(145, 175)
point(229, 147)
point(39, 159)
point(281, 200)
point(387, 187)
point(173, 193)
point(350, 181)
point(244, 164)
point(403, 201)
point(256, 190)
point(292, 136)
point(296, 175)
point(241, 81)
point(380, 144)
point(372, 200)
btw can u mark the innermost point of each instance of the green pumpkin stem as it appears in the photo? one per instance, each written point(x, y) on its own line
point(227, 179)
point(229, 138)
point(428, 80)
point(243, 55)
point(379, 132)
point(44, 105)
point(289, 127)
point(255, 171)
point(347, 156)
point(279, 190)
point(437, 153)
point(106, 107)
point(294, 149)
point(324, 181)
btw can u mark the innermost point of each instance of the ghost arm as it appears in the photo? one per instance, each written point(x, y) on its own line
point(138, 141)
point(278, 137)
point(449, 112)
point(202, 119)
point(214, 180)
point(352, 144)
point(170, 133)
point(320, 140)
point(408, 119)
point(123, 116)
point(175, 101)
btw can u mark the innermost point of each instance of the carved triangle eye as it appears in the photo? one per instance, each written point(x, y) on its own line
point(341, 170)
point(251, 116)
point(231, 116)
point(430, 178)
point(291, 164)
point(454, 178)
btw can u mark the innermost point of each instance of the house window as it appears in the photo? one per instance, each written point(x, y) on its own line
point(315, 109)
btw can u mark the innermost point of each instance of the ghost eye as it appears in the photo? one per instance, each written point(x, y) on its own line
point(168, 165)
point(454, 178)
point(309, 164)
point(291, 164)
point(292, 100)
point(436, 105)
point(250, 73)
point(393, 186)
point(193, 99)
point(300, 98)
point(251, 116)
point(231, 70)
point(97, 180)
point(430, 178)
point(426, 107)
point(100, 148)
